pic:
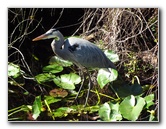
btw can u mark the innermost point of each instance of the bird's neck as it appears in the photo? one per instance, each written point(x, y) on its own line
point(57, 44)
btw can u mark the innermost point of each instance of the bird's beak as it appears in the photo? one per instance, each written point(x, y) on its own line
point(41, 37)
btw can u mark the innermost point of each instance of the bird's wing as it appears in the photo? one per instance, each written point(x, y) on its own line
point(86, 54)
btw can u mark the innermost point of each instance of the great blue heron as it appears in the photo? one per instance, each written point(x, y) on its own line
point(79, 51)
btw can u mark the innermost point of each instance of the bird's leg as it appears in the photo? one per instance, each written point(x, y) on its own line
point(89, 87)
point(83, 78)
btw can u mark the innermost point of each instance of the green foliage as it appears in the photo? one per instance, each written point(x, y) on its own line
point(36, 107)
point(110, 112)
point(23, 108)
point(76, 109)
point(51, 99)
point(112, 56)
point(129, 104)
point(104, 76)
point(149, 100)
point(13, 70)
point(35, 57)
point(133, 34)
point(14, 74)
point(62, 112)
point(54, 68)
point(67, 81)
point(152, 115)
point(131, 107)
point(104, 112)
point(115, 113)
point(44, 77)
point(60, 62)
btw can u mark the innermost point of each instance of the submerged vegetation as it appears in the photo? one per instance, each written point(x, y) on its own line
point(43, 87)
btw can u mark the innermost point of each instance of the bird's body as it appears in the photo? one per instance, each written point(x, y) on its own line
point(79, 51)
point(83, 53)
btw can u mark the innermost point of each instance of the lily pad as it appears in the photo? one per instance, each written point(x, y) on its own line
point(149, 100)
point(115, 113)
point(105, 76)
point(110, 112)
point(54, 68)
point(131, 107)
point(111, 55)
point(60, 62)
point(45, 77)
point(104, 112)
point(67, 81)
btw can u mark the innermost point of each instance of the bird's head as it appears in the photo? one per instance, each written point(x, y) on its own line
point(52, 33)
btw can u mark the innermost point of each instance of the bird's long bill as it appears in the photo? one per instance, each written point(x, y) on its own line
point(41, 37)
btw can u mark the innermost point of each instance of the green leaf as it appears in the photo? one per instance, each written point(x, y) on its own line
point(149, 100)
point(67, 81)
point(104, 112)
point(111, 55)
point(147, 87)
point(60, 62)
point(26, 93)
point(54, 68)
point(152, 116)
point(75, 109)
point(131, 107)
point(115, 113)
point(14, 74)
point(35, 57)
point(36, 107)
point(45, 77)
point(13, 70)
point(51, 99)
point(93, 109)
point(104, 76)
point(61, 112)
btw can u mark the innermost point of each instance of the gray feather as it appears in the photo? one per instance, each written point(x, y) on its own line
point(79, 51)
point(87, 54)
